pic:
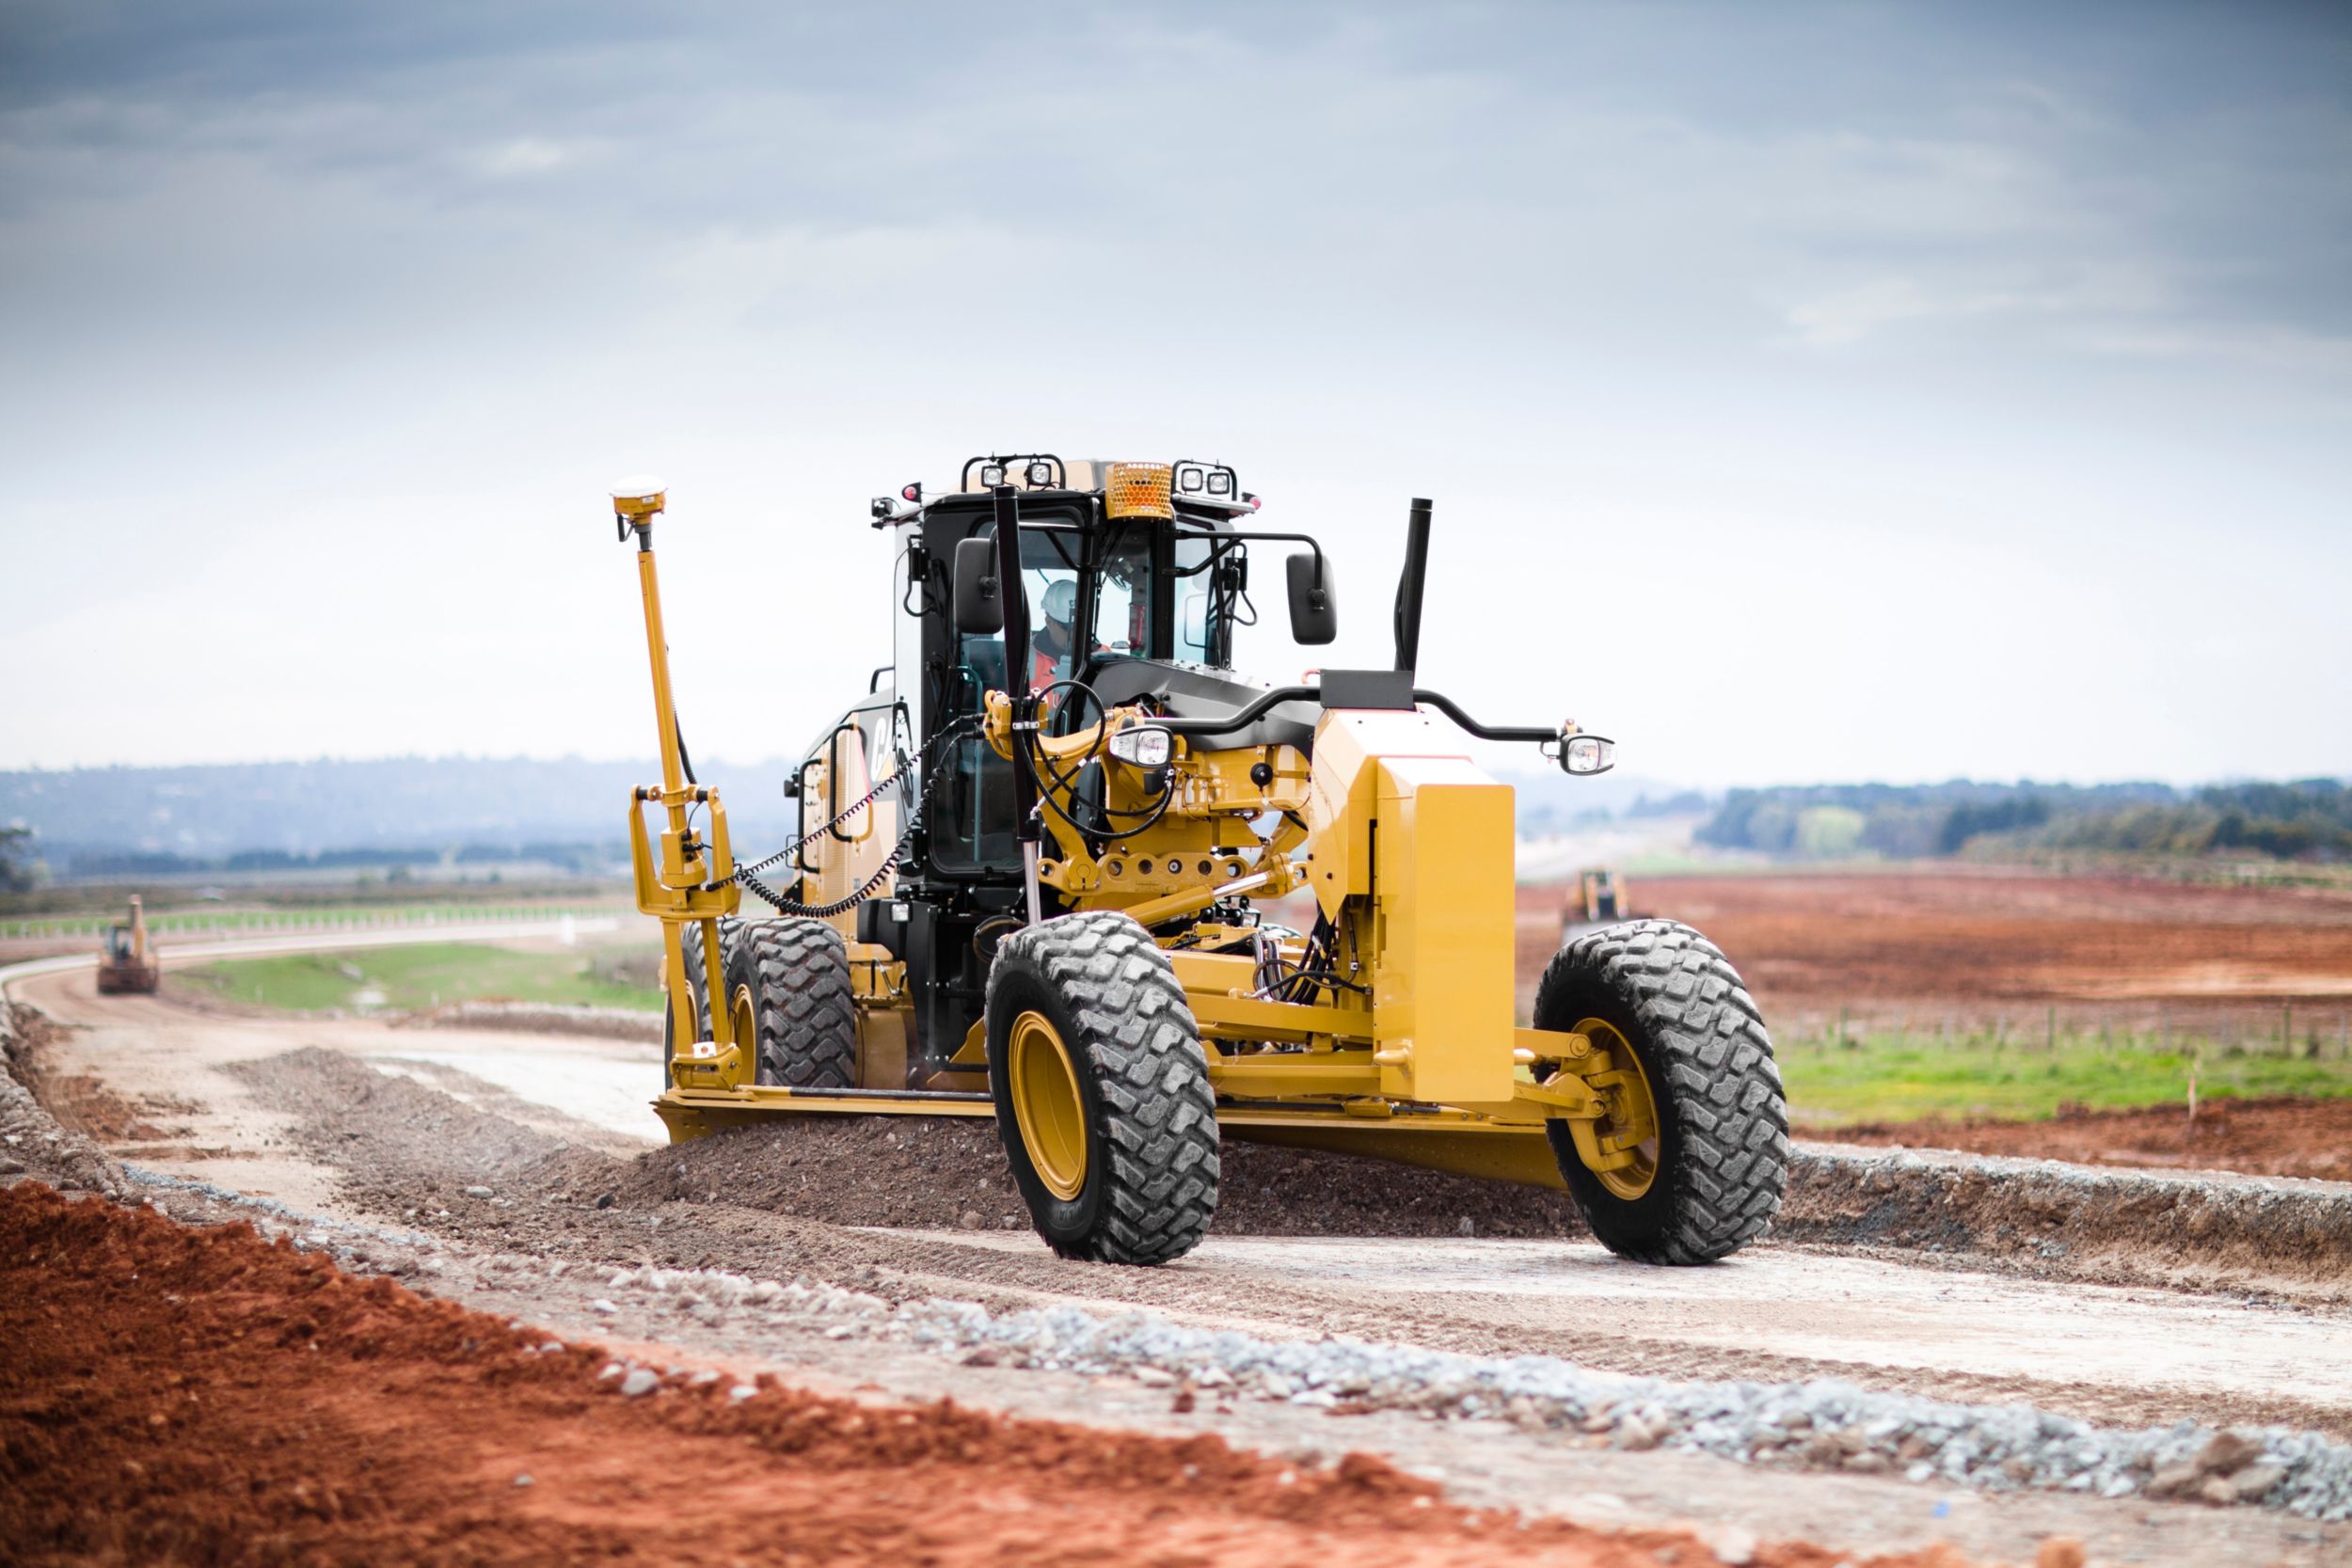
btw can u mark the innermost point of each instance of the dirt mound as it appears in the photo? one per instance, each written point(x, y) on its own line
point(946, 1173)
point(2127, 1225)
point(30, 1138)
point(2276, 1137)
point(203, 1397)
point(395, 1139)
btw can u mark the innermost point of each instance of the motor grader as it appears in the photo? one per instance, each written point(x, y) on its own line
point(1045, 872)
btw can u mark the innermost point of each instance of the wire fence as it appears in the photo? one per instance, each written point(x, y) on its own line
point(226, 924)
point(2308, 1029)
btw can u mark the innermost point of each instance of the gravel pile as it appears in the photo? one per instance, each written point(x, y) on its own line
point(1822, 1424)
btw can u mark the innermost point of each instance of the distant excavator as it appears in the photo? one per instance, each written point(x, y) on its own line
point(127, 962)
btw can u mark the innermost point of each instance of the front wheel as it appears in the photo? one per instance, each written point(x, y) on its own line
point(1693, 1094)
point(1103, 1096)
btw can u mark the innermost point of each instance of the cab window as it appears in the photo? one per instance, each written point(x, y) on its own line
point(1122, 603)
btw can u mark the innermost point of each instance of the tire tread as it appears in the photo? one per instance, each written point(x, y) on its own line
point(804, 1011)
point(1159, 1112)
point(1719, 1072)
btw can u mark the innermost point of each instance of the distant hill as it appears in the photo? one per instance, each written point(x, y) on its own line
point(99, 820)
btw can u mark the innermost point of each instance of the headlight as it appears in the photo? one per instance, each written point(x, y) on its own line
point(1143, 745)
point(1588, 753)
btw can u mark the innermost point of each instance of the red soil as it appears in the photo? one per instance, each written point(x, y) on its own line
point(203, 1397)
point(2261, 1138)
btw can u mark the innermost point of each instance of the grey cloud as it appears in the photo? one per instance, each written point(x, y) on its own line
point(295, 250)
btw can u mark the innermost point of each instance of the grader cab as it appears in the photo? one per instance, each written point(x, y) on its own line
point(1039, 869)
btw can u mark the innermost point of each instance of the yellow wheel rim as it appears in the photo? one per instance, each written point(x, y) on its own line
point(1046, 1105)
point(745, 1022)
point(1633, 1119)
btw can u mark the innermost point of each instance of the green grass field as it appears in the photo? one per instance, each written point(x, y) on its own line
point(1885, 1080)
point(423, 974)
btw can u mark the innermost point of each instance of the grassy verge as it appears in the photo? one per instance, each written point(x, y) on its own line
point(1885, 1080)
point(426, 974)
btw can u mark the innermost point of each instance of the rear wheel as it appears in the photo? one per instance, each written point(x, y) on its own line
point(789, 985)
point(1103, 1096)
point(1693, 1094)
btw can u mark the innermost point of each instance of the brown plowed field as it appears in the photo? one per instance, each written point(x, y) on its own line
point(203, 1397)
point(1969, 940)
point(2281, 1136)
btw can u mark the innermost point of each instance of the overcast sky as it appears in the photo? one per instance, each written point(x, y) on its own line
point(1807, 392)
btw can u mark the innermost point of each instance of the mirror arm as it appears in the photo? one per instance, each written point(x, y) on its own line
point(1453, 710)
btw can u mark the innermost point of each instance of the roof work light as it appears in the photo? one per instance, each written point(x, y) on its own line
point(1213, 480)
point(1139, 490)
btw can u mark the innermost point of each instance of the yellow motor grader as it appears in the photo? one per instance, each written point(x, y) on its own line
point(1038, 868)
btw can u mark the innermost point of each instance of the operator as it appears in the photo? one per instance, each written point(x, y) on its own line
point(1052, 648)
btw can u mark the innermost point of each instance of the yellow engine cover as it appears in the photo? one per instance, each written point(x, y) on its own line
point(1398, 814)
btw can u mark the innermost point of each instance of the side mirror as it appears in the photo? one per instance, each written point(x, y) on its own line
point(1314, 609)
point(979, 609)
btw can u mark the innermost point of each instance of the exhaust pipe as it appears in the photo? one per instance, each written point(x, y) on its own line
point(1409, 587)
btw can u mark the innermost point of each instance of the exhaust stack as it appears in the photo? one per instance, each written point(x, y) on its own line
point(1409, 587)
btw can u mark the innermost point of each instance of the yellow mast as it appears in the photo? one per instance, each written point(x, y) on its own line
point(679, 893)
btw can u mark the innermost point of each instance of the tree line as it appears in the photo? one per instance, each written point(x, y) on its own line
point(2300, 819)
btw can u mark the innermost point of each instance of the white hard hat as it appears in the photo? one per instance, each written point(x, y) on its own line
point(1061, 601)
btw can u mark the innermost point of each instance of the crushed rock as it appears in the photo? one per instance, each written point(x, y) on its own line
point(1823, 1423)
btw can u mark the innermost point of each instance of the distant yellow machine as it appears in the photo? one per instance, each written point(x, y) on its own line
point(1028, 879)
point(126, 963)
point(1600, 898)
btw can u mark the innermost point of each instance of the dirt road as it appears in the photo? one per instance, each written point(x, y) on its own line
point(401, 1128)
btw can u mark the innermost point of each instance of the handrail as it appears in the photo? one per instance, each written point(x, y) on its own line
point(1258, 707)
